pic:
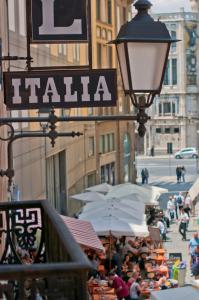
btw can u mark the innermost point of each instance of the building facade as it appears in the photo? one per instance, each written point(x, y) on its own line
point(175, 113)
point(105, 152)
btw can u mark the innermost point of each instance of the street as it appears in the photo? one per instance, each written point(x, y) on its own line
point(162, 173)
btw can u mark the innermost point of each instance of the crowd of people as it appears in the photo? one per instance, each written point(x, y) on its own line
point(127, 267)
point(179, 208)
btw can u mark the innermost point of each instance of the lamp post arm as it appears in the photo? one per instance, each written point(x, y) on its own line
point(52, 135)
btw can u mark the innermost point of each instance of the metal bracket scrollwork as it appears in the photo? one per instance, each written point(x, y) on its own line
point(142, 102)
point(52, 134)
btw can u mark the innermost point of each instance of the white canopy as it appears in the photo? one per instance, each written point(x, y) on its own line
point(118, 227)
point(100, 188)
point(146, 194)
point(117, 217)
point(88, 197)
point(183, 293)
point(134, 214)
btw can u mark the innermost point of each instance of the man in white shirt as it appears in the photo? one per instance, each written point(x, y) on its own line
point(184, 219)
point(171, 208)
point(162, 228)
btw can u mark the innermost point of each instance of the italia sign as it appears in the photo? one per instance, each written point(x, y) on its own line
point(60, 89)
point(58, 20)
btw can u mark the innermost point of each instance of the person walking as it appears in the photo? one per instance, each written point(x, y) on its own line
point(146, 175)
point(187, 204)
point(180, 201)
point(143, 176)
point(171, 208)
point(183, 224)
point(193, 243)
point(183, 172)
point(178, 174)
point(176, 206)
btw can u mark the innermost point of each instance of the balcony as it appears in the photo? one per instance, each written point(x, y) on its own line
point(39, 257)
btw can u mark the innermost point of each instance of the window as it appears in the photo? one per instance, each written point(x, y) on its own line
point(91, 145)
point(167, 74)
point(174, 37)
point(11, 14)
point(91, 178)
point(176, 130)
point(167, 130)
point(102, 143)
point(166, 108)
point(174, 71)
point(76, 52)
point(158, 130)
point(171, 72)
point(109, 11)
point(111, 146)
point(98, 9)
point(109, 56)
point(107, 143)
point(99, 55)
point(118, 18)
point(22, 18)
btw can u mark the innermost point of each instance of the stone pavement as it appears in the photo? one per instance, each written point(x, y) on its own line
point(175, 243)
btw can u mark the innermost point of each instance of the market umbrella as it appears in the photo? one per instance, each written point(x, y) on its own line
point(112, 225)
point(148, 195)
point(88, 197)
point(134, 214)
point(100, 188)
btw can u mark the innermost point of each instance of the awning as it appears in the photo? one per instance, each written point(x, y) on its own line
point(83, 233)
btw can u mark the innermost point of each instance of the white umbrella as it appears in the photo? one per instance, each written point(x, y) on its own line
point(88, 197)
point(111, 225)
point(133, 214)
point(100, 188)
point(147, 192)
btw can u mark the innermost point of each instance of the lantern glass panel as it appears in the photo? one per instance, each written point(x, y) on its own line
point(123, 65)
point(147, 61)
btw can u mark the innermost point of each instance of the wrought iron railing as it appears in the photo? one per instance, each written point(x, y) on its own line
point(39, 257)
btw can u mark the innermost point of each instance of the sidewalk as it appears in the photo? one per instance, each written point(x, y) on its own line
point(175, 243)
point(163, 156)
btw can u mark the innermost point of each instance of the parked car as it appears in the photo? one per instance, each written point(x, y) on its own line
point(187, 153)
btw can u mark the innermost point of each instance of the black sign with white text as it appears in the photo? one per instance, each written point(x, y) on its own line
point(59, 20)
point(60, 89)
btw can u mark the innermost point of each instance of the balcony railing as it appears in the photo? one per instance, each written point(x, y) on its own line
point(39, 257)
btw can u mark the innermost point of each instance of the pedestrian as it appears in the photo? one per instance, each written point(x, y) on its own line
point(178, 174)
point(183, 171)
point(162, 228)
point(193, 243)
point(146, 175)
point(187, 204)
point(143, 176)
point(183, 224)
point(195, 265)
point(176, 206)
point(171, 208)
point(180, 201)
point(119, 285)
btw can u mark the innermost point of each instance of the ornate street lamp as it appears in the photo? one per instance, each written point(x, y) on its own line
point(142, 48)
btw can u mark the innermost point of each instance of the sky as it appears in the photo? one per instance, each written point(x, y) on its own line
point(164, 6)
